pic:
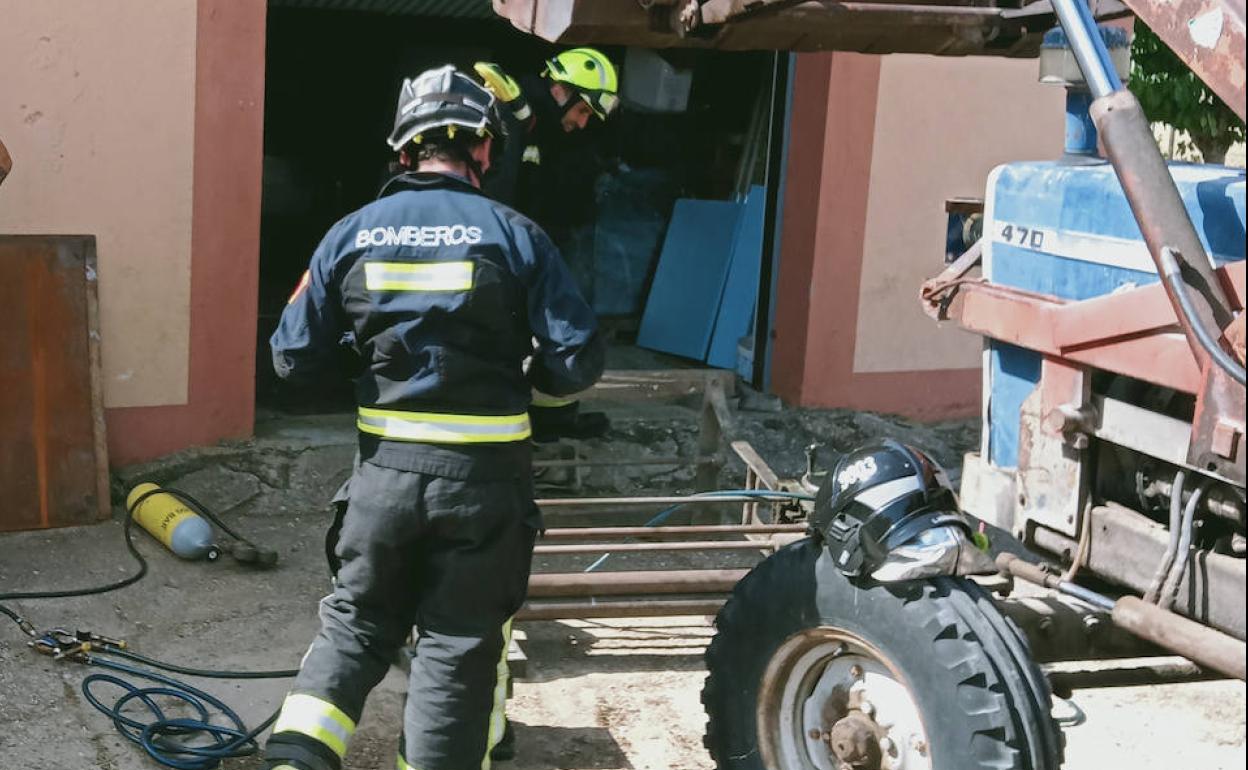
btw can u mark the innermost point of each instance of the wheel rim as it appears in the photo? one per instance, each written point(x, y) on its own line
point(831, 701)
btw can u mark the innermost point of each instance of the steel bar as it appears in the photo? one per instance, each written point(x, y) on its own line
point(581, 584)
point(619, 461)
point(1204, 645)
point(756, 464)
point(758, 475)
point(558, 502)
point(1159, 211)
point(1172, 276)
point(1011, 564)
point(1216, 503)
point(1173, 672)
point(696, 545)
point(588, 533)
point(1088, 47)
point(619, 609)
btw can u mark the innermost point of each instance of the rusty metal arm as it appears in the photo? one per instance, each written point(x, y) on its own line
point(944, 27)
point(1208, 35)
point(1127, 332)
point(1173, 278)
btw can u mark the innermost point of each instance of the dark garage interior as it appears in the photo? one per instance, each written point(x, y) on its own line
point(692, 125)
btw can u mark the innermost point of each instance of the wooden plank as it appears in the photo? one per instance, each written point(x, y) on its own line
point(53, 464)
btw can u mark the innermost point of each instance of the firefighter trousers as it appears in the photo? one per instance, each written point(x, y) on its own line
point(446, 560)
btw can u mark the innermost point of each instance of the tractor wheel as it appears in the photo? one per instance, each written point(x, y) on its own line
point(809, 671)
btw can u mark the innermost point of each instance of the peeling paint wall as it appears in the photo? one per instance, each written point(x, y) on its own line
point(941, 125)
point(97, 107)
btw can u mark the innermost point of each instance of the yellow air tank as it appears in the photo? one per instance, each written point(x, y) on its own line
point(172, 522)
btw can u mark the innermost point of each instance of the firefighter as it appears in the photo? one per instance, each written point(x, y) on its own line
point(458, 306)
point(577, 86)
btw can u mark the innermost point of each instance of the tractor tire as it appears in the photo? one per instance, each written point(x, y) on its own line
point(799, 649)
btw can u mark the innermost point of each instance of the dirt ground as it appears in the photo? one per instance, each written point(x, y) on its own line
point(597, 695)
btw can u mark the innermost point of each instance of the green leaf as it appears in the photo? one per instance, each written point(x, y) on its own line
point(1171, 93)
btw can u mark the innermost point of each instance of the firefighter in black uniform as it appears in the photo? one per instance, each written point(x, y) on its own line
point(577, 86)
point(458, 306)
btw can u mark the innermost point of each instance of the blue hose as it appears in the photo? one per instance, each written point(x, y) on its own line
point(180, 743)
point(666, 513)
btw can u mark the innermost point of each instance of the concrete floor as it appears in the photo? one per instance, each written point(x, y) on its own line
point(611, 695)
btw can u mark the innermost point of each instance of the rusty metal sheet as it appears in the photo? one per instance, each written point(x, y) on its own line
point(1208, 35)
point(951, 28)
point(53, 460)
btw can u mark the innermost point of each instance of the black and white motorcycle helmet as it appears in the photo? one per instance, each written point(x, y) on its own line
point(879, 497)
point(444, 100)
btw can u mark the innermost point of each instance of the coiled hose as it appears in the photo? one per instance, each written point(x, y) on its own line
point(195, 743)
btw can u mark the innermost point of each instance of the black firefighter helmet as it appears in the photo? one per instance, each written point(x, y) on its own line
point(445, 100)
point(879, 497)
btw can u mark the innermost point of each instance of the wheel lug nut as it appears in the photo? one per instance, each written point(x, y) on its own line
point(919, 745)
point(867, 708)
point(855, 671)
point(814, 735)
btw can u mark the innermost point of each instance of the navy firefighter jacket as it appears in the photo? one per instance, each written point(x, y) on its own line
point(446, 293)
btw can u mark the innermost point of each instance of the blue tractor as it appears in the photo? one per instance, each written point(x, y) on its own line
point(1110, 295)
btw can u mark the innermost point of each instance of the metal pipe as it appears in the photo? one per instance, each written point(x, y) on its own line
point(626, 461)
point(1173, 672)
point(1088, 47)
point(1170, 586)
point(1160, 212)
point(1173, 277)
point(702, 545)
point(1216, 503)
point(1172, 548)
point(619, 609)
point(1205, 646)
point(1202, 644)
point(570, 584)
point(762, 497)
point(1012, 565)
point(589, 533)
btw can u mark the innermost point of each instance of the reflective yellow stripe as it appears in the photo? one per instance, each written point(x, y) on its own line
point(318, 719)
point(438, 428)
point(541, 399)
point(498, 714)
point(532, 154)
point(418, 276)
point(498, 717)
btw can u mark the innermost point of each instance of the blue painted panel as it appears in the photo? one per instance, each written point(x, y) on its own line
point(1066, 278)
point(1014, 372)
point(740, 298)
point(689, 280)
point(1089, 199)
point(1092, 246)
